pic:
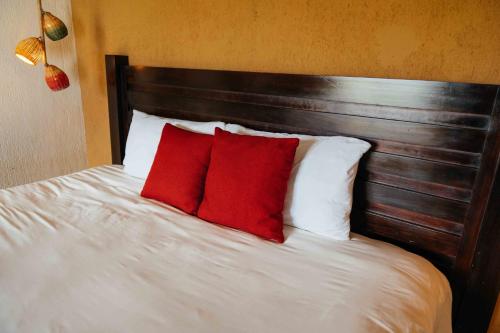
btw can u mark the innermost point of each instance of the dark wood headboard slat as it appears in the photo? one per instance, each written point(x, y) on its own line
point(458, 97)
point(426, 183)
point(443, 246)
point(434, 212)
point(430, 177)
point(437, 154)
point(438, 117)
point(435, 189)
point(469, 140)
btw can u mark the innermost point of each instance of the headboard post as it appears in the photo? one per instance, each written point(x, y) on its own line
point(483, 188)
point(117, 104)
point(478, 261)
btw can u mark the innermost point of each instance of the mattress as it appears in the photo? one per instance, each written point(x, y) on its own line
point(85, 253)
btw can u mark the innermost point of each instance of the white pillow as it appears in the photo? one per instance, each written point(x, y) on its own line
point(319, 196)
point(144, 136)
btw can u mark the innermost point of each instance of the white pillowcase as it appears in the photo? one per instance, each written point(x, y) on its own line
point(144, 136)
point(319, 196)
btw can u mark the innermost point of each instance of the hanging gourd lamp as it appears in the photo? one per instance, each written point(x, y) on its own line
point(56, 79)
point(54, 28)
point(30, 50)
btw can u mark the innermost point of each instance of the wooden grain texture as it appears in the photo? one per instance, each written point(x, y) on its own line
point(483, 189)
point(412, 235)
point(458, 97)
point(449, 181)
point(296, 120)
point(451, 118)
point(479, 279)
point(484, 281)
point(417, 208)
point(119, 121)
point(427, 181)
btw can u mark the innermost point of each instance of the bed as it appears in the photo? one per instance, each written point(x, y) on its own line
point(85, 252)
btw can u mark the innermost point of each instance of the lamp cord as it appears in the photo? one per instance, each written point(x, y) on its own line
point(42, 33)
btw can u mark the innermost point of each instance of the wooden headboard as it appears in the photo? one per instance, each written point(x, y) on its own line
point(428, 184)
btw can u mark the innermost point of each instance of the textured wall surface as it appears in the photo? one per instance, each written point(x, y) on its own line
point(41, 132)
point(425, 39)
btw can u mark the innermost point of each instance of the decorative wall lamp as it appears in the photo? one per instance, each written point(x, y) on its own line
point(32, 50)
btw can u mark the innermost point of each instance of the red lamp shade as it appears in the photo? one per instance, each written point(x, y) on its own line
point(56, 79)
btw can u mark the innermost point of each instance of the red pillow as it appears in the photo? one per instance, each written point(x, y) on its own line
point(178, 173)
point(247, 182)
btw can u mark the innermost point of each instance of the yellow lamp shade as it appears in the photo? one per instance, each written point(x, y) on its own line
point(54, 28)
point(30, 50)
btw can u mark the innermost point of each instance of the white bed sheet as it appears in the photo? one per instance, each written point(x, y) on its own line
point(85, 253)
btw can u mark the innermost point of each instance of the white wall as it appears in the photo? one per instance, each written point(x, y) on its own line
point(41, 132)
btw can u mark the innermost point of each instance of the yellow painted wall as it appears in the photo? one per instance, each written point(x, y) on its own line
point(448, 40)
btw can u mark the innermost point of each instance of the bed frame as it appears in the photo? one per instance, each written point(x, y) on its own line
point(429, 184)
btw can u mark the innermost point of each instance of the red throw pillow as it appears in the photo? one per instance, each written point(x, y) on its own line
point(178, 173)
point(246, 183)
